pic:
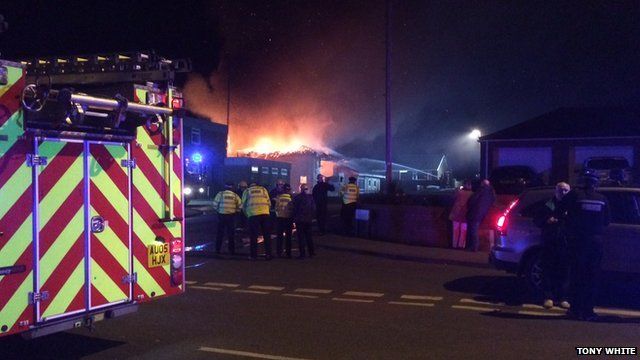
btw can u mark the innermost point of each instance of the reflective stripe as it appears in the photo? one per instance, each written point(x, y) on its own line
point(256, 201)
point(227, 202)
point(350, 193)
point(283, 209)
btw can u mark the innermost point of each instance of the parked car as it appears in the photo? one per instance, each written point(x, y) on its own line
point(605, 167)
point(517, 248)
point(514, 179)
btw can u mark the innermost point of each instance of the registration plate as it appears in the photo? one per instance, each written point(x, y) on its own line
point(158, 255)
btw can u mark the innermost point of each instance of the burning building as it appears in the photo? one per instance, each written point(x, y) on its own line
point(251, 169)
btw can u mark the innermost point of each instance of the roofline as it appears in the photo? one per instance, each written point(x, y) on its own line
point(565, 138)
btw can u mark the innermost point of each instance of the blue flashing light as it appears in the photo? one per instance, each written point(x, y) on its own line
point(196, 157)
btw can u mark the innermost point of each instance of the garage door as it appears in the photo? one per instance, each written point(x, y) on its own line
point(584, 152)
point(538, 158)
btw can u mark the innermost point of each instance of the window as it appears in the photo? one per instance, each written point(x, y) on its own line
point(284, 172)
point(275, 171)
point(265, 170)
point(623, 207)
point(195, 136)
point(254, 169)
point(303, 179)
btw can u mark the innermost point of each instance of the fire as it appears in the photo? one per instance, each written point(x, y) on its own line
point(267, 145)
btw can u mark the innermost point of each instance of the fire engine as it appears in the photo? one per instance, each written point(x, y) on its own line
point(91, 204)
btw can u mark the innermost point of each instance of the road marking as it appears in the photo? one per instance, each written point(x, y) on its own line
point(246, 354)
point(540, 313)
point(421, 297)
point(251, 292)
point(313, 291)
point(538, 307)
point(222, 284)
point(616, 312)
point(411, 303)
point(363, 294)
point(190, 282)
point(301, 296)
point(474, 308)
point(268, 288)
point(204, 288)
point(352, 300)
point(471, 301)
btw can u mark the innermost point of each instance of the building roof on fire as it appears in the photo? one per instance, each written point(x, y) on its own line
point(574, 123)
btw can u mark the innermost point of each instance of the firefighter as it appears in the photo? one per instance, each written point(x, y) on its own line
point(255, 203)
point(349, 193)
point(227, 204)
point(321, 199)
point(587, 217)
point(284, 221)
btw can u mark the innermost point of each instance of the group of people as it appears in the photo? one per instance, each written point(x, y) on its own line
point(572, 223)
point(259, 210)
point(471, 204)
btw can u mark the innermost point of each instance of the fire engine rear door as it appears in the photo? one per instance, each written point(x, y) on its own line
point(109, 223)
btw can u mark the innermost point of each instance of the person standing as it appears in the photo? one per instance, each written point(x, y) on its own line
point(587, 217)
point(478, 206)
point(273, 194)
point(321, 198)
point(256, 203)
point(349, 193)
point(551, 218)
point(284, 221)
point(303, 211)
point(227, 204)
point(458, 215)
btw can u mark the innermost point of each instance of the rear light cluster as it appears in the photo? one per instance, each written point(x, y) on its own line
point(501, 223)
point(177, 263)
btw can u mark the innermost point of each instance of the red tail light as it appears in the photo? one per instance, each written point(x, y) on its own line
point(177, 262)
point(501, 223)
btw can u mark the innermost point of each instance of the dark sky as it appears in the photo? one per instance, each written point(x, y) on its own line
point(314, 70)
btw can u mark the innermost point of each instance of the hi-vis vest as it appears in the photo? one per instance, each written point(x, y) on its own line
point(283, 206)
point(227, 202)
point(256, 201)
point(350, 193)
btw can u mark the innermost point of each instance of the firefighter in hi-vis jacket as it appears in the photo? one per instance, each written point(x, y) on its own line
point(256, 204)
point(227, 204)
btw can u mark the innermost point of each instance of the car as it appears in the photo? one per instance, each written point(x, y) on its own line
point(514, 179)
point(606, 167)
point(518, 244)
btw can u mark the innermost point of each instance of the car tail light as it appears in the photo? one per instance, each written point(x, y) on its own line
point(501, 223)
point(177, 262)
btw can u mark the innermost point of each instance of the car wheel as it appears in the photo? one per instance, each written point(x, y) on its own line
point(533, 272)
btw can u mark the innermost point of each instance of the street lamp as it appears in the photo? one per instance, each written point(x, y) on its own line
point(475, 134)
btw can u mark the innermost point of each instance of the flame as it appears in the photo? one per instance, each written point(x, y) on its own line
point(267, 145)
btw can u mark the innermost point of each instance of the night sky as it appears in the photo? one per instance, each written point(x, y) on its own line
point(314, 70)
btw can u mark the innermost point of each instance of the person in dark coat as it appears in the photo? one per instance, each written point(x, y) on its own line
point(320, 197)
point(477, 208)
point(303, 211)
point(587, 217)
point(551, 218)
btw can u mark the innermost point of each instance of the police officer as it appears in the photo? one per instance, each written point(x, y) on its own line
point(256, 203)
point(587, 217)
point(349, 193)
point(284, 221)
point(321, 198)
point(227, 204)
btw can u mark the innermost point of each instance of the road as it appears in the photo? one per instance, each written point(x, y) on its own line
point(339, 305)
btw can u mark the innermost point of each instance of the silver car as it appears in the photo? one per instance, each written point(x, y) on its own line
point(518, 242)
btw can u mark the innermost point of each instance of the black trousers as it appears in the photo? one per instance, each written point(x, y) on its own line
point(348, 213)
point(321, 217)
point(555, 270)
point(284, 227)
point(226, 223)
point(585, 270)
point(473, 237)
point(303, 230)
point(259, 224)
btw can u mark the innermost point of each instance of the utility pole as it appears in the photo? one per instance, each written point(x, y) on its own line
point(388, 161)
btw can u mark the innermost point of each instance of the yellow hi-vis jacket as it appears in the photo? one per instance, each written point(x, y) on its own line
point(350, 193)
point(255, 201)
point(283, 206)
point(227, 202)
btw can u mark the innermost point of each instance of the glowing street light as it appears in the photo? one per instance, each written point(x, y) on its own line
point(475, 134)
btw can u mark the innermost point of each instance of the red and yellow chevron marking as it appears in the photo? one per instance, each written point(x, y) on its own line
point(16, 202)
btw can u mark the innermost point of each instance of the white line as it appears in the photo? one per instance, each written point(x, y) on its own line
point(474, 308)
point(410, 303)
point(600, 310)
point(251, 292)
point(222, 284)
point(204, 288)
point(539, 313)
point(314, 291)
point(247, 354)
point(421, 297)
point(352, 300)
point(471, 301)
point(364, 294)
point(301, 296)
point(190, 282)
point(269, 288)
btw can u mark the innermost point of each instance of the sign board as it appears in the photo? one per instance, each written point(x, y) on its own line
point(362, 214)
